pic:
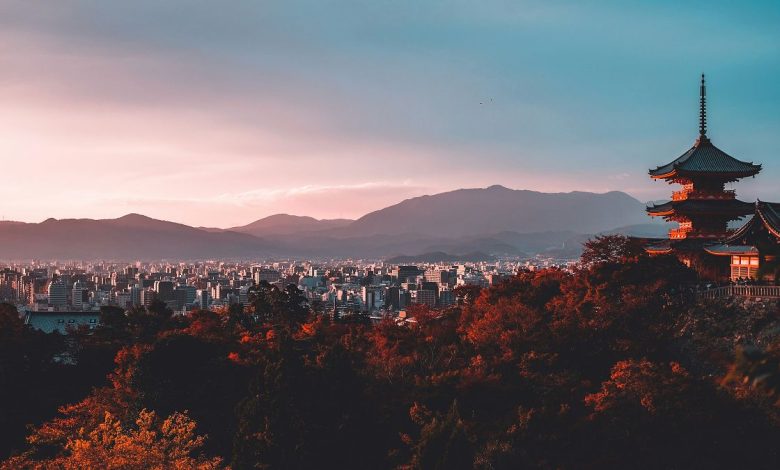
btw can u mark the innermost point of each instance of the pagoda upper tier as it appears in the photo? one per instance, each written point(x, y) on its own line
point(705, 161)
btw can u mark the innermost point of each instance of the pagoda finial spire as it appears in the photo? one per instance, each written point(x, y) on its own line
point(702, 108)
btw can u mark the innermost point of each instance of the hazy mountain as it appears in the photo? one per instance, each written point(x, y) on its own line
point(130, 237)
point(537, 242)
point(468, 212)
point(285, 224)
point(657, 230)
point(439, 257)
point(496, 221)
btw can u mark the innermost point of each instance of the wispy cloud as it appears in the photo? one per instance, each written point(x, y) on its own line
point(312, 190)
point(239, 208)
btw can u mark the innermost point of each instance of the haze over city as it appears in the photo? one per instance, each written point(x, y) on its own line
point(199, 114)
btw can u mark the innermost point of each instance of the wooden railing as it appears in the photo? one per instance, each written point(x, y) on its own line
point(684, 194)
point(763, 292)
point(680, 233)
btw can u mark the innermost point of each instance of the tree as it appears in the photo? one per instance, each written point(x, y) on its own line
point(466, 294)
point(184, 372)
point(29, 369)
point(159, 309)
point(760, 369)
point(443, 443)
point(11, 323)
point(611, 249)
point(286, 307)
point(147, 443)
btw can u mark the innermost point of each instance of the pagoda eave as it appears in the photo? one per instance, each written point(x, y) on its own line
point(696, 207)
point(678, 216)
point(677, 175)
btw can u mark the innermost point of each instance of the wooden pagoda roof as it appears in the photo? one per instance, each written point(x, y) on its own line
point(733, 207)
point(731, 250)
point(766, 213)
point(663, 246)
point(705, 159)
point(659, 248)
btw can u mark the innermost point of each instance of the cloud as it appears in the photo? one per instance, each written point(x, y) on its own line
point(242, 207)
point(247, 198)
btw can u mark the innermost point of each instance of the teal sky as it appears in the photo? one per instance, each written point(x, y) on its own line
point(218, 113)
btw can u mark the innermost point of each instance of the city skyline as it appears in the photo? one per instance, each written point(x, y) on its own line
point(187, 113)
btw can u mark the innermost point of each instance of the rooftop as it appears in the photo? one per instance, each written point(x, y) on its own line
point(732, 207)
point(706, 159)
point(62, 322)
point(766, 213)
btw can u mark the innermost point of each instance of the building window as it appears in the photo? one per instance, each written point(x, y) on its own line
point(744, 267)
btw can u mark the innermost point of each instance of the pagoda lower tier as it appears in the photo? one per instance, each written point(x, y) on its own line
point(707, 219)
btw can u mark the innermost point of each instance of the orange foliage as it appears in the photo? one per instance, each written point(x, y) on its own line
point(641, 383)
point(111, 444)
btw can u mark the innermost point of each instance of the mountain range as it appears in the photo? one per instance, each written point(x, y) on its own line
point(491, 221)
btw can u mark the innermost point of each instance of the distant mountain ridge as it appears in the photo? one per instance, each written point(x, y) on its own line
point(478, 211)
point(439, 257)
point(283, 224)
point(496, 221)
point(130, 237)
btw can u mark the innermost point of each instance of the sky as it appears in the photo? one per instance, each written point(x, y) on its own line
point(219, 113)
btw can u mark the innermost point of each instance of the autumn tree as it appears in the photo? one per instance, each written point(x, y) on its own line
point(443, 442)
point(611, 249)
point(758, 368)
point(148, 443)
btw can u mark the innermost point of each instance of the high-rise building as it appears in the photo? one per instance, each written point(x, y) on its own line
point(203, 298)
point(393, 298)
point(268, 275)
point(243, 295)
point(135, 295)
point(439, 276)
point(164, 290)
point(147, 297)
point(403, 273)
point(58, 296)
point(424, 296)
point(79, 296)
point(369, 297)
point(181, 295)
point(446, 298)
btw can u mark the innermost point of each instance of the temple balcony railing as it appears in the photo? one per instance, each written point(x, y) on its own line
point(757, 292)
point(688, 232)
point(683, 194)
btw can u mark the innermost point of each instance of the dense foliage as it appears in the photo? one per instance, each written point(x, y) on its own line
point(613, 365)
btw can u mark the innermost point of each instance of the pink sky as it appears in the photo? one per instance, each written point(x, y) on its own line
point(218, 119)
point(84, 134)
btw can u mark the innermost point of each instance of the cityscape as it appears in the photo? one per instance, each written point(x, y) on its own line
point(65, 297)
point(376, 235)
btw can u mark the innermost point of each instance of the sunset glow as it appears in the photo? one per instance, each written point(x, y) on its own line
point(186, 112)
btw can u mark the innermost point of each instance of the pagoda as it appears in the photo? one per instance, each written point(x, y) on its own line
point(703, 207)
